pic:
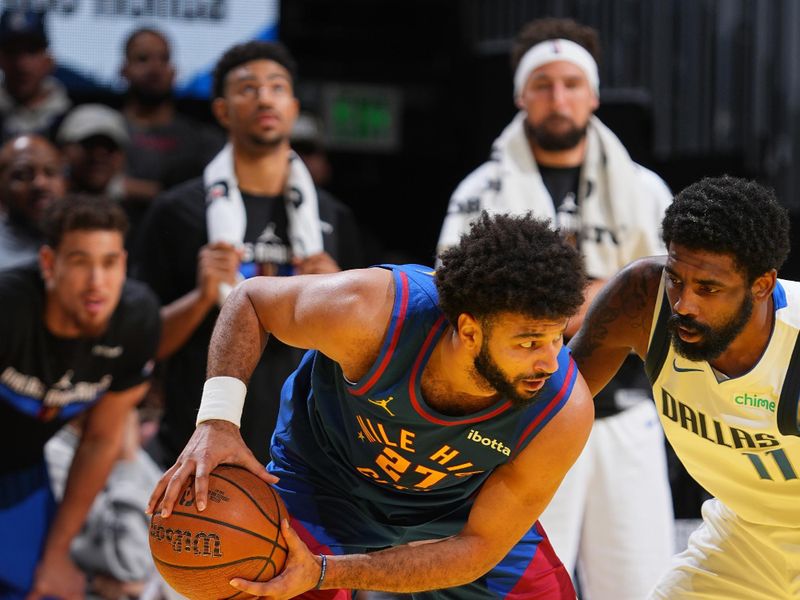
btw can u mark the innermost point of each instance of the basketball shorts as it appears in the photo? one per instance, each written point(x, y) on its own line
point(728, 557)
point(331, 524)
point(612, 514)
point(27, 508)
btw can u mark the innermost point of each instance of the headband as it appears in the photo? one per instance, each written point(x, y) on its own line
point(551, 51)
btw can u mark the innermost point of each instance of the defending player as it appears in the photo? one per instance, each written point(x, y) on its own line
point(435, 417)
point(719, 335)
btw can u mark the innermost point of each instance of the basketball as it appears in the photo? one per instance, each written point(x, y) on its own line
point(237, 535)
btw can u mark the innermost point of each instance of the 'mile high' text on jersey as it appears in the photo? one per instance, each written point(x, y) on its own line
point(378, 441)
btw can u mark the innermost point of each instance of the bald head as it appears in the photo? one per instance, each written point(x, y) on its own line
point(31, 177)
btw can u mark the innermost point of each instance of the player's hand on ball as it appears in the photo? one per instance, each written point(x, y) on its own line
point(300, 573)
point(212, 443)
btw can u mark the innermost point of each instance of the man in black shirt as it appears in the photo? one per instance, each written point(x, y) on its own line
point(166, 146)
point(558, 160)
point(193, 249)
point(75, 337)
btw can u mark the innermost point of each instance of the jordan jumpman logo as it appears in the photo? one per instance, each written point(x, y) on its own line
point(384, 404)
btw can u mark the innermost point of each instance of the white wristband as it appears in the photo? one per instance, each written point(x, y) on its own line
point(223, 398)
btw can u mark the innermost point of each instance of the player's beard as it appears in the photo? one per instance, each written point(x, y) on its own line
point(488, 369)
point(545, 138)
point(268, 142)
point(150, 98)
point(715, 340)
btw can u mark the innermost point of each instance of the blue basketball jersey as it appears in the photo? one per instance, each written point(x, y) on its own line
point(379, 444)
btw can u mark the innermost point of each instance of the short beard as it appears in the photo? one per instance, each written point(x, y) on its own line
point(150, 99)
point(542, 137)
point(715, 341)
point(268, 143)
point(488, 369)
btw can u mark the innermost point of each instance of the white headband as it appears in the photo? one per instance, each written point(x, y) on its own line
point(551, 51)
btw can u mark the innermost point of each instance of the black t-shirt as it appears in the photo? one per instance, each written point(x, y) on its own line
point(171, 153)
point(630, 384)
point(562, 184)
point(45, 380)
point(266, 247)
point(173, 233)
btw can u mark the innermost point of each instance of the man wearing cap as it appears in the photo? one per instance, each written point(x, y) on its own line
point(613, 512)
point(31, 100)
point(93, 137)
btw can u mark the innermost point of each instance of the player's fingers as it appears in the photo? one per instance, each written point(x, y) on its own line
point(201, 483)
point(158, 491)
point(293, 540)
point(260, 590)
point(251, 463)
point(174, 487)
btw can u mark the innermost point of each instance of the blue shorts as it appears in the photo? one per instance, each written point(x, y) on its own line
point(331, 524)
point(27, 507)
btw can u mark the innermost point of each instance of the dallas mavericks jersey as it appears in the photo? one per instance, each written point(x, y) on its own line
point(378, 442)
point(738, 438)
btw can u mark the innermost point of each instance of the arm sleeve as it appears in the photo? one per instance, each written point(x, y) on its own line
point(141, 328)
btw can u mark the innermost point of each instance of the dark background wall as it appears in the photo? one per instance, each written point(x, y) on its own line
point(692, 87)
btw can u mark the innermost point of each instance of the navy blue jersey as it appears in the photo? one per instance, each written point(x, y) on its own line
point(378, 441)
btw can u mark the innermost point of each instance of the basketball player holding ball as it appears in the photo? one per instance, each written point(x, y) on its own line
point(425, 430)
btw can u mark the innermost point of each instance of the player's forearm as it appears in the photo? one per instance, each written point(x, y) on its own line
point(238, 339)
point(179, 320)
point(413, 567)
point(91, 465)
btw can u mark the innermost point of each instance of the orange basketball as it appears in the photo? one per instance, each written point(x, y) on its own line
point(237, 535)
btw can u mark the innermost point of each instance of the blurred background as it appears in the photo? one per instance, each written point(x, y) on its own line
point(410, 94)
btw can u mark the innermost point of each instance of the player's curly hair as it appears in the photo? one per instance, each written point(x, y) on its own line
point(730, 215)
point(513, 264)
point(81, 212)
point(552, 28)
point(244, 53)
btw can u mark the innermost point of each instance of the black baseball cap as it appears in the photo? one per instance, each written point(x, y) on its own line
point(22, 29)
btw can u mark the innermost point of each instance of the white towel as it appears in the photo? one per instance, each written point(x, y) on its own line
point(621, 203)
point(226, 217)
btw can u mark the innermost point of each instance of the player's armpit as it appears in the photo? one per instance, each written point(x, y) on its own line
point(617, 322)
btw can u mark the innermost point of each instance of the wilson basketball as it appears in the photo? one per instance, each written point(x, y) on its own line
point(237, 535)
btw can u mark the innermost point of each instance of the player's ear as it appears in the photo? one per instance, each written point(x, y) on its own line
point(764, 285)
point(469, 331)
point(219, 107)
point(47, 257)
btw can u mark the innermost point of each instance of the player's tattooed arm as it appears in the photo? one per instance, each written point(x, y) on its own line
point(618, 322)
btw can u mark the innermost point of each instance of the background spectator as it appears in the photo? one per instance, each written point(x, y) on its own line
point(31, 100)
point(87, 345)
point(166, 147)
point(31, 178)
point(191, 254)
point(612, 514)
